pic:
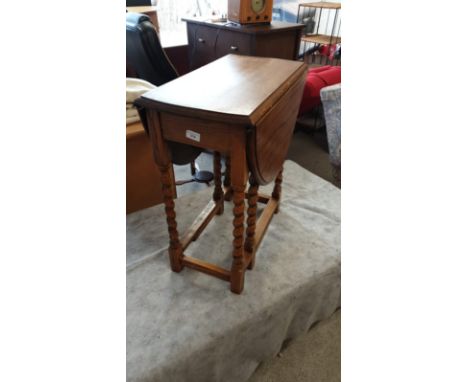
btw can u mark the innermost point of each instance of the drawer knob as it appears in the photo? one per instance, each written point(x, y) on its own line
point(234, 48)
point(201, 40)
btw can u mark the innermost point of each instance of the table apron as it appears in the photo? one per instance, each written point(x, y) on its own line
point(199, 132)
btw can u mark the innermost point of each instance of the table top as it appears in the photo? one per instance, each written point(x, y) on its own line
point(274, 26)
point(232, 89)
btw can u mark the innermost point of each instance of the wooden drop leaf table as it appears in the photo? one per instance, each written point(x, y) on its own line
point(240, 107)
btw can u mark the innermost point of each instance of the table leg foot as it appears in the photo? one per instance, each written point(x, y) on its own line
point(237, 277)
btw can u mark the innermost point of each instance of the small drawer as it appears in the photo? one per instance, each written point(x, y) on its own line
point(231, 42)
point(201, 45)
point(196, 132)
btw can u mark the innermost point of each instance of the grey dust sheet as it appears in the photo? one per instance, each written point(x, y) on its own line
point(188, 326)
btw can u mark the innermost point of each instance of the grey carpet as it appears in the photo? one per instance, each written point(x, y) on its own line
point(295, 284)
point(315, 355)
point(312, 357)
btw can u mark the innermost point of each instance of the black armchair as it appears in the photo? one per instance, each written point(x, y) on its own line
point(148, 60)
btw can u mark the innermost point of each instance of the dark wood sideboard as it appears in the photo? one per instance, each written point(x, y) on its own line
point(209, 41)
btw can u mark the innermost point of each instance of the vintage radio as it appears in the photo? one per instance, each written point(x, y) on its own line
point(250, 11)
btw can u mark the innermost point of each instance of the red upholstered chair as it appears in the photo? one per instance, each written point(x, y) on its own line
point(318, 78)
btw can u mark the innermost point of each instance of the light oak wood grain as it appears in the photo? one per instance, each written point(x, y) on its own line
point(322, 4)
point(245, 112)
point(208, 268)
point(268, 142)
point(233, 89)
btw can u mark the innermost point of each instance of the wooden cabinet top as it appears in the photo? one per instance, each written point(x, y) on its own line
point(233, 89)
point(322, 4)
point(142, 9)
point(273, 27)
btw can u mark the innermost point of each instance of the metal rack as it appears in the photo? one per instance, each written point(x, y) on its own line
point(321, 39)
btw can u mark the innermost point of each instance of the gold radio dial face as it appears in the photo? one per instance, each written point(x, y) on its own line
point(257, 5)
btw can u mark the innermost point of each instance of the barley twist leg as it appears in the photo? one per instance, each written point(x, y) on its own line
point(251, 219)
point(218, 190)
point(175, 248)
point(237, 269)
point(276, 194)
point(227, 179)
